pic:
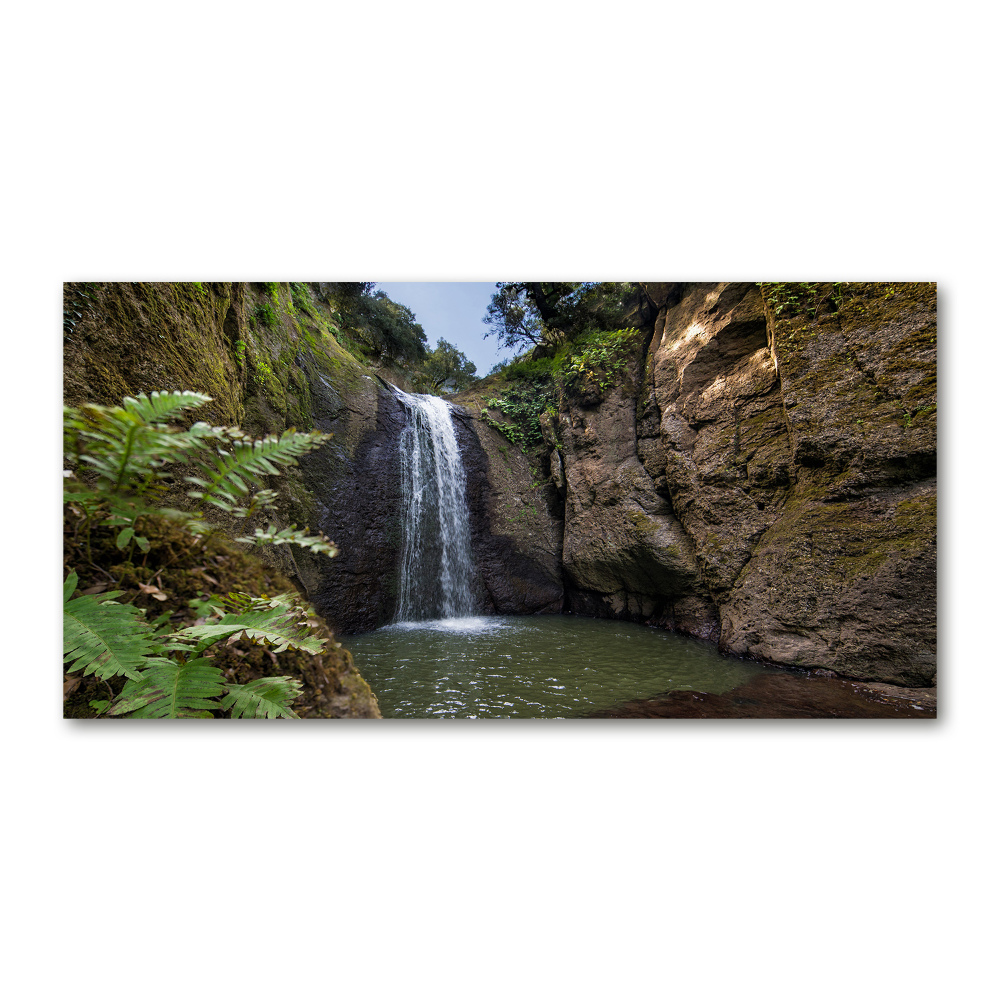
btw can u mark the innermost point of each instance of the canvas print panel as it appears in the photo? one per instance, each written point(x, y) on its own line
point(500, 500)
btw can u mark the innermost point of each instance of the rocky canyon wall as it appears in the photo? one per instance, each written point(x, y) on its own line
point(763, 476)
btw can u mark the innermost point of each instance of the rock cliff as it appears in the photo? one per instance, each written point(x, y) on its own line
point(762, 474)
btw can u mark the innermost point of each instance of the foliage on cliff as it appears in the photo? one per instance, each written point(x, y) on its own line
point(446, 368)
point(582, 368)
point(524, 314)
point(369, 322)
point(578, 339)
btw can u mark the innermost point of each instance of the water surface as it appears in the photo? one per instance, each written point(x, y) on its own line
point(538, 666)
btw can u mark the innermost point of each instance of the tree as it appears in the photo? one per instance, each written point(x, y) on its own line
point(513, 317)
point(523, 314)
point(387, 330)
point(447, 366)
point(338, 292)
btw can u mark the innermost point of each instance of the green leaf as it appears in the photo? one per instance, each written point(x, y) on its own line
point(159, 407)
point(292, 536)
point(249, 460)
point(105, 638)
point(123, 537)
point(266, 698)
point(282, 626)
point(172, 690)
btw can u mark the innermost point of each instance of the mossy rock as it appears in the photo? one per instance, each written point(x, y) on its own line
point(125, 338)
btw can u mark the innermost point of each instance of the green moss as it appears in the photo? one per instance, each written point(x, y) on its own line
point(711, 543)
point(264, 314)
point(791, 298)
point(302, 297)
point(140, 336)
point(901, 384)
point(641, 522)
point(917, 518)
point(851, 541)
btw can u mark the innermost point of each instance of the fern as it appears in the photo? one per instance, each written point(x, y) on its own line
point(129, 448)
point(112, 639)
point(103, 637)
point(282, 627)
point(267, 698)
point(119, 460)
point(292, 536)
point(170, 689)
point(127, 445)
point(159, 407)
point(246, 463)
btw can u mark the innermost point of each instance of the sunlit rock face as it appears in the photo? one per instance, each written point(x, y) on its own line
point(845, 576)
point(763, 476)
point(799, 452)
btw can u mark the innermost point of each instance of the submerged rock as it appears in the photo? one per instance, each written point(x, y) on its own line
point(782, 696)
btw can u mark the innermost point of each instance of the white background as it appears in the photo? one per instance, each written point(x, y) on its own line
point(585, 141)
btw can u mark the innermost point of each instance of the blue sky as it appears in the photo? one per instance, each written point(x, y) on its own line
point(453, 310)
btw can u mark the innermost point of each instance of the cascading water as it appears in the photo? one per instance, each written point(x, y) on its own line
point(437, 572)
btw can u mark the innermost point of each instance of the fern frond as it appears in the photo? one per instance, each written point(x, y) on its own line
point(247, 462)
point(105, 638)
point(159, 407)
point(236, 603)
point(266, 698)
point(283, 627)
point(292, 536)
point(172, 690)
point(124, 449)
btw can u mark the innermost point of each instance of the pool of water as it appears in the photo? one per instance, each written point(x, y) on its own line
point(534, 667)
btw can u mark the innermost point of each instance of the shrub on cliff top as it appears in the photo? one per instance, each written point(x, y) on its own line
point(588, 365)
point(536, 313)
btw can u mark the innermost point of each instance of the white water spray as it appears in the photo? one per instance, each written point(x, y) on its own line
point(437, 572)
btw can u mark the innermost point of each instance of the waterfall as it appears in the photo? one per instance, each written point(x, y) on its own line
point(437, 573)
